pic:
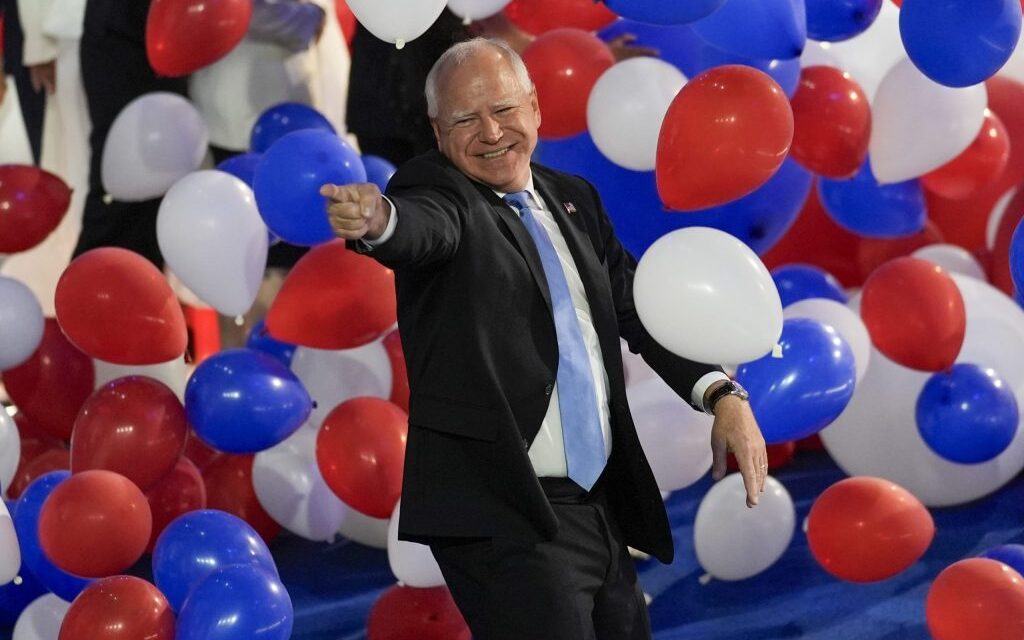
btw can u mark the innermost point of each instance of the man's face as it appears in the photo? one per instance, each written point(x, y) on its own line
point(487, 124)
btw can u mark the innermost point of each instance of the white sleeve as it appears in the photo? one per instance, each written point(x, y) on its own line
point(699, 389)
point(39, 47)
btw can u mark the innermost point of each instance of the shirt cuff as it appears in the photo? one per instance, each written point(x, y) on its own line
point(699, 389)
point(389, 230)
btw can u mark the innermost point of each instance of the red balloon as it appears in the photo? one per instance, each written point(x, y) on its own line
point(32, 204)
point(181, 490)
point(999, 268)
point(976, 599)
point(977, 166)
point(831, 122)
point(406, 613)
point(200, 453)
point(37, 458)
point(867, 529)
point(399, 375)
point(95, 524)
point(816, 239)
point(914, 313)
point(346, 19)
point(116, 306)
point(185, 35)
point(540, 16)
point(228, 480)
point(725, 134)
point(334, 298)
point(119, 608)
point(360, 450)
point(874, 252)
point(135, 426)
point(51, 386)
point(565, 65)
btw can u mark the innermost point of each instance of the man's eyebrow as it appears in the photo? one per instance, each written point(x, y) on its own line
point(459, 115)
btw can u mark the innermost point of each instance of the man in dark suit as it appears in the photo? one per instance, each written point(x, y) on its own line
point(523, 470)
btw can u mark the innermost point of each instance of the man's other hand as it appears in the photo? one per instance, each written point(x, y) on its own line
point(356, 211)
point(736, 430)
point(43, 77)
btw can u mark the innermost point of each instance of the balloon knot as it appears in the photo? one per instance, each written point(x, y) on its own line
point(400, 43)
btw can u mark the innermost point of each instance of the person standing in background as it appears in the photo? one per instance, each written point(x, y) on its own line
point(115, 71)
point(33, 78)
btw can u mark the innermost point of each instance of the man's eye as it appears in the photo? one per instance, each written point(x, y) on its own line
point(463, 122)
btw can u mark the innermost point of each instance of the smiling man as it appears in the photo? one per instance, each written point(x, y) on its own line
point(523, 469)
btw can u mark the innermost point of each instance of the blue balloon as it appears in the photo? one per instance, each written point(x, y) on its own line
point(261, 340)
point(960, 43)
point(631, 198)
point(762, 29)
point(835, 20)
point(802, 392)
point(242, 166)
point(1017, 258)
point(378, 170)
point(26, 524)
point(967, 414)
point(682, 47)
point(1011, 555)
point(237, 603)
point(244, 401)
point(282, 119)
point(867, 208)
point(198, 543)
point(288, 181)
point(15, 597)
point(662, 12)
point(802, 281)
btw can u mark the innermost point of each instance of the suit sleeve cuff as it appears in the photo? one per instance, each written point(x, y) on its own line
point(699, 389)
point(389, 230)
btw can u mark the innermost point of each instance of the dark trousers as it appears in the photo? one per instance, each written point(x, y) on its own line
point(115, 71)
point(580, 586)
point(33, 110)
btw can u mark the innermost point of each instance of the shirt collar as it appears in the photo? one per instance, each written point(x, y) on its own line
point(529, 189)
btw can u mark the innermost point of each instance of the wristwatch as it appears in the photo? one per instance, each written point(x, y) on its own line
point(730, 388)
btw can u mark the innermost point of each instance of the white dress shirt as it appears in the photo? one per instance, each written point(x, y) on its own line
point(547, 452)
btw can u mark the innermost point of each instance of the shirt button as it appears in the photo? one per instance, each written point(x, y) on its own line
point(548, 389)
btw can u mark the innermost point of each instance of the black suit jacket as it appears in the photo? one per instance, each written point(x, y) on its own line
point(479, 338)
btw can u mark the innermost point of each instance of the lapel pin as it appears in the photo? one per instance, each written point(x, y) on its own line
point(570, 208)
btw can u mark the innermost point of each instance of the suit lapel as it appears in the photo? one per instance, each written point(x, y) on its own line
point(522, 237)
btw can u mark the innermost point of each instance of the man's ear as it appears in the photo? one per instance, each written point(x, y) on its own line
point(535, 104)
point(437, 132)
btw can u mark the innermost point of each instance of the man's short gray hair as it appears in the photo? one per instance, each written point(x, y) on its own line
point(462, 51)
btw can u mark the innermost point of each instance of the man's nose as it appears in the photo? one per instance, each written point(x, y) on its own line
point(490, 131)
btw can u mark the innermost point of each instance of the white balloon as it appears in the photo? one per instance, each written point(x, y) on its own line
point(292, 491)
point(173, 373)
point(366, 530)
point(918, 124)
point(21, 323)
point(704, 295)
point(10, 551)
point(412, 563)
point(41, 620)
point(871, 54)
point(1014, 67)
point(877, 434)
point(397, 21)
point(734, 542)
point(157, 139)
point(213, 237)
point(819, 54)
point(627, 106)
point(838, 316)
point(675, 438)
point(10, 449)
point(953, 259)
point(470, 10)
point(332, 377)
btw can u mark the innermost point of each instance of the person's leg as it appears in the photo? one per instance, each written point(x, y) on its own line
point(33, 111)
point(620, 608)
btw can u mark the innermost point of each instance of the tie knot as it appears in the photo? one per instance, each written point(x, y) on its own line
point(519, 200)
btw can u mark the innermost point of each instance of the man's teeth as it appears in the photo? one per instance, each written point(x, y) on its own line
point(495, 154)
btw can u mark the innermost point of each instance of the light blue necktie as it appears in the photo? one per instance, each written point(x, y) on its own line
point(581, 423)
